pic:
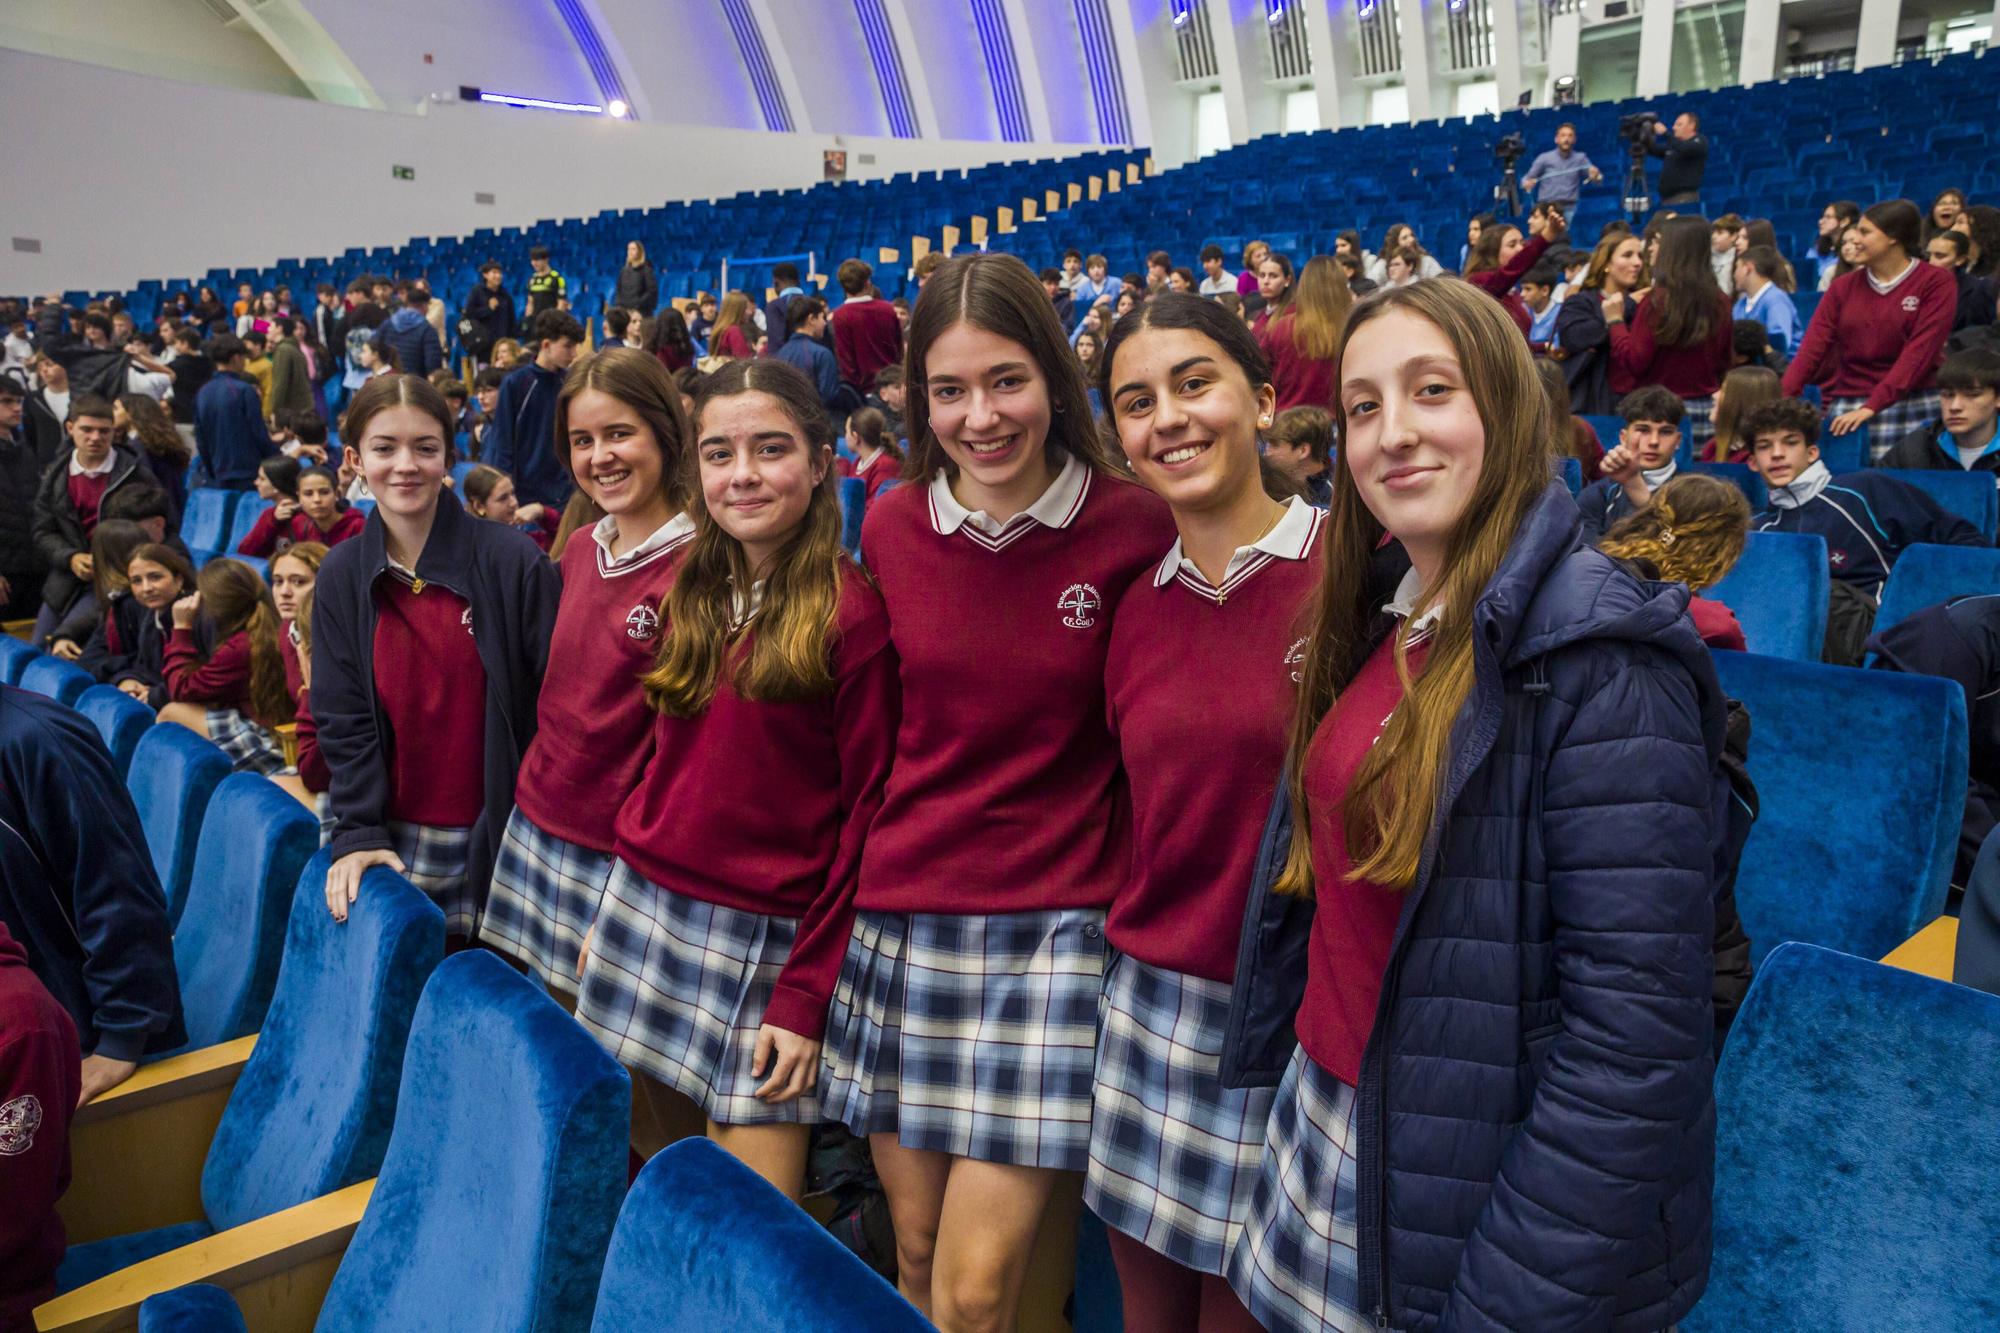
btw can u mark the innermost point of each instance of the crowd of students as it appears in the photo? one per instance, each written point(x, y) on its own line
point(1211, 759)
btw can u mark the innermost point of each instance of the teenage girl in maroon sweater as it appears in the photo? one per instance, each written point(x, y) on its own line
point(964, 1024)
point(315, 514)
point(1679, 339)
point(620, 424)
point(1198, 689)
point(712, 960)
point(235, 694)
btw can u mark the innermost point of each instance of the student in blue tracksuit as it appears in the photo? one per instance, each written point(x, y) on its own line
point(521, 439)
point(78, 889)
point(1643, 460)
point(1759, 297)
point(1866, 517)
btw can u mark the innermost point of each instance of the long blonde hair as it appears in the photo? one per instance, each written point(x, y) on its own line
point(1319, 308)
point(1742, 389)
point(789, 656)
point(236, 599)
point(1388, 811)
point(1692, 531)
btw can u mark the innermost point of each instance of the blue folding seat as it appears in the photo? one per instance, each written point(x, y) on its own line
point(1844, 453)
point(1742, 478)
point(1971, 495)
point(853, 500)
point(119, 718)
point(248, 510)
point(199, 1307)
point(173, 776)
point(1857, 1162)
point(1861, 776)
point(62, 681)
point(1925, 575)
point(1779, 590)
point(205, 521)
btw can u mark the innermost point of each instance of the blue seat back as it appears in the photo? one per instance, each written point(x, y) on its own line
point(1607, 428)
point(119, 718)
point(251, 507)
point(205, 521)
point(1571, 472)
point(1861, 778)
point(765, 1265)
point(1971, 495)
point(504, 1172)
point(199, 1307)
point(312, 1111)
point(1857, 1165)
point(173, 774)
point(853, 501)
point(62, 681)
point(1925, 575)
point(255, 841)
point(15, 654)
point(1778, 591)
point(1742, 478)
point(1844, 453)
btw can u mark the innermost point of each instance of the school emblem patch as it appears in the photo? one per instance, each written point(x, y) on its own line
point(465, 619)
point(1079, 604)
point(642, 623)
point(1295, 658)
point(1909, 305)
point(19, 1119)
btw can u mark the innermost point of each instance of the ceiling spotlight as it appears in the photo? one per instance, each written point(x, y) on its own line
point(1364, 8)
point(618, 110)
point(1183, 10)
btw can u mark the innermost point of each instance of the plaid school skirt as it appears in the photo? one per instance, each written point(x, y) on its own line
point(544, 896)
point(677, 988)
point(250, 745)
point(434, 860)
point(1295, 1266)
point(969, 1035)
point(1893, 422)
point(1173, 1153)
point(1699, 423)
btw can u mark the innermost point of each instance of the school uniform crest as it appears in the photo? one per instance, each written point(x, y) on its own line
point(1080, 603)
point(642, 623)
point(1910, 305)
point(1295, 658)
point(465, 619)
point(1836, 558)
point(19, 1119)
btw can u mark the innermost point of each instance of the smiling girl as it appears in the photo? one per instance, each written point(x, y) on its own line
point(713, 958)
point(964, 1025)
point(157, 576)
point(620, 425)
point(490, 494)
point(430, 636)
point(1205, 647)
point(1505, 800)
point(313, 512)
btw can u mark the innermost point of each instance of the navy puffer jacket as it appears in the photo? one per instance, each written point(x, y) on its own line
point(1535, 1112)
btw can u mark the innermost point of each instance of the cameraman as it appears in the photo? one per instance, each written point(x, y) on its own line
point(1685, 157)
point(1556, 174)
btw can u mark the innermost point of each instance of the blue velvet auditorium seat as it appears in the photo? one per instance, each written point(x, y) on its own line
point(15, 654)
point(119, 718)
point(1742, 478)
point(205, 522)
point(853, 504)
point(1970, 495)
point(173, 776)
point(255, 842)
point(1926, 575)
point(704, 1243)
point(62, 681)
point(1861, 778)
point(1778, 591)
point(504, 1172)
point(197, 1308)
point(248, 510)
point(312, 1109)
point(1857, 1164)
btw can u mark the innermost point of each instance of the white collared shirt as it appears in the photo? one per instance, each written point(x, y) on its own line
point(1405, 601)
point(1057, 508)
point(665, 538)
point(77, 469)
point(1884, 288)
point(742, 609)
point(1290, 538)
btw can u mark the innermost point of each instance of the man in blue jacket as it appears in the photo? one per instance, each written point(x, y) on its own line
point(78, 889)
point(410, 335)
point(521, 440)
point(777, 325)
point(229, 428)
point(804, 349)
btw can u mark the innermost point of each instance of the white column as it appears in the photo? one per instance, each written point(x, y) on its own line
point(1875, 43)
point(913, 69)
point(1565, 48)
point(1241, 41)
point(1656, 48)
point(1763, 32)
point(1413, 29)
point(781, 66)
point(1162, 113)
point(1330, 38)
point(1507, 51)
point(1040, 122)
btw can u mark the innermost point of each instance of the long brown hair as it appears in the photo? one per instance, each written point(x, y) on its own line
point(640, 382)
point(1600, 260)
point(1686, 303)
point(998, 294)
point(155, 429)
point(1321, 301)
point(1486, 250)
point(112, 543)
point(1389, 809)
point(1692, 531)
point(735, 314)
point(167, 558)
point(383, 392)
point(789, 656)
point(872, 428)
point(1742, 389)
point(238, 602)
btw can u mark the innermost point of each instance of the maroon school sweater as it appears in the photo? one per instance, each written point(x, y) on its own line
point(40, 1080)
point(1006, 794)
point(1199, 685)
point(594, 730)
point(762, 806)
point(1355, 923)
point(1694, 370)
point(223, 681)
point(86, 494)
point(431, 687)
point(1875, 345)
point(268, 536)
point(866, 337)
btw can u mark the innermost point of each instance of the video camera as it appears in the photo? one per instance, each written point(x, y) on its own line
point(1510, 149)
point(1637, 129)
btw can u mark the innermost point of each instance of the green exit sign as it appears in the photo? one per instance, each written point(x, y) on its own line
point(404, 173)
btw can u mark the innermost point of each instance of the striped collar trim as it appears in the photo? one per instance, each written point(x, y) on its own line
point(1057, 508)
point(669, 537)
point(1291, 538)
